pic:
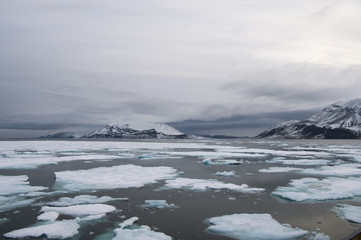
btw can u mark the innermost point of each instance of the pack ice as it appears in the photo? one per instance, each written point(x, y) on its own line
point(122, 176)
point(253, 227)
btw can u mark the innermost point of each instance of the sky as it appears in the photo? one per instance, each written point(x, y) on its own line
point(230, 66)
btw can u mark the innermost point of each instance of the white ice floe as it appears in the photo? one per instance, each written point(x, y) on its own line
point(81, 210)
point(279, 169)
point(129, 222)
point(31, 163)
point(82, 199)
point(15, 192)
point(48, 216)
point(325, 189)
point(337, 170)
point(302, 162)
point(143, 232)
point(10, 185)
point(123, 176)
point(225, 174)
point(253, 227)
point(319, 236)
point(158, 204)
point(210, 162)
point(349, 212)
point(58, 229)
point(204, 184)
point(216, 154)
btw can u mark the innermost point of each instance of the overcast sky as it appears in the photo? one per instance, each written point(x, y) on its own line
point(74, 64)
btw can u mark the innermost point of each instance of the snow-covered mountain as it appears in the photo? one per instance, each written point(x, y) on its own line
point(67, 135)
point(137, 130)
point(338, 120)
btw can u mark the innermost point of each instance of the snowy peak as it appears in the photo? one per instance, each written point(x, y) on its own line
point(338, 120)
point(137, 130)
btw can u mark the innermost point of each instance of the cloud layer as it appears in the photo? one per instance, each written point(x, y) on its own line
point(90, 62)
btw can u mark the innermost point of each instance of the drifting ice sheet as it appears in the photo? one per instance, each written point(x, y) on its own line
point(123, 176)
point(82, 199)
point(302, 162)
point(81, 210)
point(225, 174)
point(143, 232)
point(279, 169)
point(349, 212)
point(338, 170)
point(16, 184)
point(326, 189)
point(253, 226)
point(59, 229)
point(204, 184)
point(157, 204)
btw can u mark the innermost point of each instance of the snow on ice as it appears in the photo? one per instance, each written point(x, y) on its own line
point(253, 226)
point(123, 176)
point(158, 204)
point(82, 199)
point(204, 184)
point(349, 212)
point(225, 174)
point(143, 232)
point(325, 189)
point(84, 210)
point(58, 229)
point(279, 169)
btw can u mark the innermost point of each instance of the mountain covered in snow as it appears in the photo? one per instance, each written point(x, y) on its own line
point(62, 135)
point(137, 130)
point(340, 120)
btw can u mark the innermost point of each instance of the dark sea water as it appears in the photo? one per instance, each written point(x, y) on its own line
point(189, 220)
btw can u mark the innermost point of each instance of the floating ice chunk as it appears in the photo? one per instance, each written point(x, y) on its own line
point(129, 222)
point(144, 232)
point(157, 204)
point(326, 189)
point(48, 216)
point(349, 212)
point(16, 184)
point(253, 226)
point(337, 170)
point(58, 229)
point(3, 220)
point(319, 236)
point(209, 162)
point(123, 176)
point(81, 210)
point(32, 163)
point(303, 162)
point(82, 199)
point(279, 169)
point(9, 203)
point(204, 184)
point(225, 174)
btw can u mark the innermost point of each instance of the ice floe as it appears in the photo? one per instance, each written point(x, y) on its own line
point(210, 184)
point(302, 162)
point(337, 170)
point(158, 204)
point(84, 210)
point(48, 216)
point(58, 229)
point(17, 184)
point(349, 212)
point(279, 169)
point(320, 189)
point(225, 174)
point(15, 192)
point(253, 226)
point(31, 163)
point(82, 199)
point(122, 176)
point(143, 232)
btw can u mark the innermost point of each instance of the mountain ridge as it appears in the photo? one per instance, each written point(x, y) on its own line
point(340, 120)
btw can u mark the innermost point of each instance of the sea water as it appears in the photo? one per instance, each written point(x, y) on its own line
point(180, 189)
